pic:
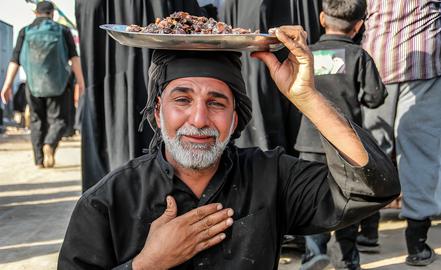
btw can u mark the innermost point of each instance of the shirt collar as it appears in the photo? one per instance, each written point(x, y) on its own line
point(218, 180)
point(336, 38)
point(40, 19)
point(166, 168)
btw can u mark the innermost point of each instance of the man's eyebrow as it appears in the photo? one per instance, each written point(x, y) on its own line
point(184, 89)
point(218, 95)
point(181, 89)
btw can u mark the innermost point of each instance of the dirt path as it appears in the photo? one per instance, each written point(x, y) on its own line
point(35, 204)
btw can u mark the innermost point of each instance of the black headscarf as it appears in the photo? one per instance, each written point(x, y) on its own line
point(167, 66)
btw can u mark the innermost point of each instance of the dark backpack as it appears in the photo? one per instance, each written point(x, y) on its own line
point(44, 59)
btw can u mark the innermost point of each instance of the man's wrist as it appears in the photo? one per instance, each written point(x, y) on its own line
point(307, 100)
point(144, 262)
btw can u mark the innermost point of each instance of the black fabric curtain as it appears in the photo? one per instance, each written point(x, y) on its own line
point(116, 82)
point(275, 120)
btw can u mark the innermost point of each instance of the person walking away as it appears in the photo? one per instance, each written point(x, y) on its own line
point(404, 39)
point(346, 75)
point(44, 49)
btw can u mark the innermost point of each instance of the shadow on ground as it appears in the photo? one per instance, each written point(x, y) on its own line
point(30, 186)
point(16, 254)
point(34, 218)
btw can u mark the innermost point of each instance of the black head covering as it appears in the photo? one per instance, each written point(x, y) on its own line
point(167, 66)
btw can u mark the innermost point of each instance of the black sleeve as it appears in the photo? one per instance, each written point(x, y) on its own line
point(372, 90)
point(71, 48)
point(18, 45)
point(319, 197)
point(88, 240)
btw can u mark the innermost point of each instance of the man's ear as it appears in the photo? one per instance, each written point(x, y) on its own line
point(322, 19)
point(157, 112)
point(358, 26)
point(236, 121)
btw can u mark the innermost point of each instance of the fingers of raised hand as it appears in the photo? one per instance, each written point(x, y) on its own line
point(295, 32)
point(295, 45)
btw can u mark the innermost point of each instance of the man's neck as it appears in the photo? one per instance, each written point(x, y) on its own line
point(196, 180)
point(339, 33)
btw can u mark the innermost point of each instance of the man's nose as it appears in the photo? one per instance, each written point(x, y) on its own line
point(199, 116)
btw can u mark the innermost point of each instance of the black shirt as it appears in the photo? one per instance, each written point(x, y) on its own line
point(347, 76)
point(272, 194)
point(72, 51)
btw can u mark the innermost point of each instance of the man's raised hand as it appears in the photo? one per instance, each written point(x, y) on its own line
point(295, 76)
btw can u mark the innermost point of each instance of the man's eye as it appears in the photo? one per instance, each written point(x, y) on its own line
point(216, 104)
point(182, 100)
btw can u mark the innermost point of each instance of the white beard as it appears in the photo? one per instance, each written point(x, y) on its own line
point(195, 156)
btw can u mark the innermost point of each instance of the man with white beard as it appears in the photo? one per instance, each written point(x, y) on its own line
point(196, 201)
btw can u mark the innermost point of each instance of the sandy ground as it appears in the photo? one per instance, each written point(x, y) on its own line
point(35, 206)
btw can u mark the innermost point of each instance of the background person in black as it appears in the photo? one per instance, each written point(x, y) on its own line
point(121, 220)
point(275, 120)
point(347, 76)
point(47, 113)
point(116, 79)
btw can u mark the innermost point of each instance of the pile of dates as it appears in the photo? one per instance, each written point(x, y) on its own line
point(184, 23)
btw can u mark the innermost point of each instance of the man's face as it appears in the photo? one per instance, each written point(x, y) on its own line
point(197, 117)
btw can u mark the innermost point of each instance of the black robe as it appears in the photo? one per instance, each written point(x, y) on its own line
point(275, 120)
point(116, 82)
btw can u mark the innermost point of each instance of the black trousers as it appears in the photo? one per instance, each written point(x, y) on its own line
point(369, 226)
point(47, 122)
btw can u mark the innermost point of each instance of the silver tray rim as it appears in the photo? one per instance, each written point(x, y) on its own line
point(254, 42)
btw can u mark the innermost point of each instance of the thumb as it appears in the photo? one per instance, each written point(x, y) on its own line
point(3, 96)
point(269, 59)
point(169, 213)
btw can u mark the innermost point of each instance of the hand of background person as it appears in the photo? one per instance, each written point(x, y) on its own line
point(78, 92)
point(173, 240)
point(6, 94)
point(294, 76)
point(397, 203)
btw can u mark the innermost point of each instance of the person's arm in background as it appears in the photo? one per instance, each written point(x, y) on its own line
point(76, 64)
point(7, 86)
point(77, 70)
point(372, 90)
point(13, 67)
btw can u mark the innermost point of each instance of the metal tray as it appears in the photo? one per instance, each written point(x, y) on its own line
point(212, 42)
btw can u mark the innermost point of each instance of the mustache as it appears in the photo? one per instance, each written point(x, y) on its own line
point(192, 131)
